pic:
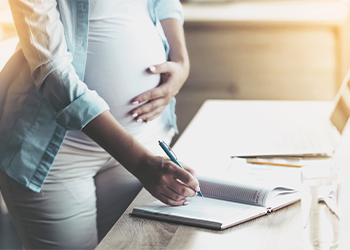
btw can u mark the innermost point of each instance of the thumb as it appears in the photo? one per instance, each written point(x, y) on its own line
point(159, 68)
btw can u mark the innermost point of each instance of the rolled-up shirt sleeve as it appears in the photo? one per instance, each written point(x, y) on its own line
point(42, 39)
point(170, 9)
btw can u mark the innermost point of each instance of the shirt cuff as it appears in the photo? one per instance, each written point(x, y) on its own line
point(81, 111)
point(177, 15)
point(170, 9)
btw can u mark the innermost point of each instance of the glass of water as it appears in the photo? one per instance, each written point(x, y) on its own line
point(321, 206)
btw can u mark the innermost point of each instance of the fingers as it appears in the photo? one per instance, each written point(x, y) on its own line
point(149, 111)
point(176, 193)
point(155, 93)
point(166, 70)
point(161, 68)
point(154, 101)
point(147, 107)
point(146, 117)
point(169, 183)
point(169, 201)
point(187, 168)
point(154, 107)
point(189, 180)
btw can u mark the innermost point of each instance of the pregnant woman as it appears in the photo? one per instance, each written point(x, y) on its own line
point(83, 101)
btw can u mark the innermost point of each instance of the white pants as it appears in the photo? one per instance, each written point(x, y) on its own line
point(83, 196)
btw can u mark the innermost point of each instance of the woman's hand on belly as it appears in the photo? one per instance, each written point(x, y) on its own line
point(173, 76)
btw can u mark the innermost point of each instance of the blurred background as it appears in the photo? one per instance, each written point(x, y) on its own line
point(243, 49)
point(8, 41)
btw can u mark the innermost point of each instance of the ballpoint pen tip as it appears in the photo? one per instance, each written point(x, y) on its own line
point(200, 193)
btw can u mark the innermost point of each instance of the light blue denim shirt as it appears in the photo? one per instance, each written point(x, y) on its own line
point(42, 95)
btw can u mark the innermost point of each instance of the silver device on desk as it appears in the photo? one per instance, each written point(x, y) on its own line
point(312, 135)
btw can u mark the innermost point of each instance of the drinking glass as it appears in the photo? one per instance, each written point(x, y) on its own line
point(321, 206)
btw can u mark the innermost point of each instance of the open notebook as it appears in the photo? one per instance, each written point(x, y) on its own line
point(230, 200)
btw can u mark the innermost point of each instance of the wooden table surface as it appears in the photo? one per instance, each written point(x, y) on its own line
point(282, 229)
point(278, 230)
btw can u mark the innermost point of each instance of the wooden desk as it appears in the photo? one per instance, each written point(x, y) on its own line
point(279, 230)
point(275, 231)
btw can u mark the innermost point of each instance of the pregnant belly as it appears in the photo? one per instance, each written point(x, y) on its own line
point(117, 62)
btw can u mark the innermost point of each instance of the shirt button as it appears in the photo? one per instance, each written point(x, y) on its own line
point(82, 6)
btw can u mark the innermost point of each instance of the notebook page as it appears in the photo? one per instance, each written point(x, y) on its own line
point(234, 191)
point(281, 193)
point(282, 200)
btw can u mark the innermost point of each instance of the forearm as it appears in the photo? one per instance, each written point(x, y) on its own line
point(119, 143)
point(158, 175)
point(175, 34)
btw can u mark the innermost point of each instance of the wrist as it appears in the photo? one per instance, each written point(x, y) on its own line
point(181, 60)
point(184, 64)
point(141, 164)
point(147, 171)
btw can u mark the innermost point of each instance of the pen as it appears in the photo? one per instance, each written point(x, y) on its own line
point(167, 151)
point(254, 161)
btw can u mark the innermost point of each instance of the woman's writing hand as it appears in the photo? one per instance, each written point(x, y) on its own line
point(173, 76)
point(162, 178)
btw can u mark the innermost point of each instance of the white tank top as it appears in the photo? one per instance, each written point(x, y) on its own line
point(123, 42)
